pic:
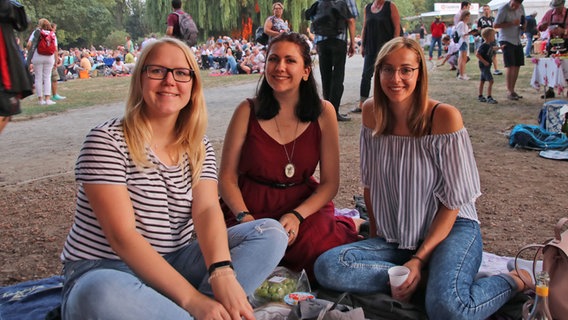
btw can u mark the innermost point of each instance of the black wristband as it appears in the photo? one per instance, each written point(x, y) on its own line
point(219, 264)
point(297, 214)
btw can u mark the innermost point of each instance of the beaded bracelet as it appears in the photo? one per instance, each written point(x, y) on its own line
point(220, 264)
point(221, 273)
point(297, 214)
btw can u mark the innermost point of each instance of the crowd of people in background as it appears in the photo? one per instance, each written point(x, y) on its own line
point(223, 55)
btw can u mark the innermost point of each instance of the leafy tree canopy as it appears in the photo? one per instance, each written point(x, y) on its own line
point(86, 23)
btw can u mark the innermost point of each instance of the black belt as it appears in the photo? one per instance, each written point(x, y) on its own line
point(277, 185)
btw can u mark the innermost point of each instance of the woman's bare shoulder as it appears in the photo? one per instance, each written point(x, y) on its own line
point(447, 118)
point(368, 114)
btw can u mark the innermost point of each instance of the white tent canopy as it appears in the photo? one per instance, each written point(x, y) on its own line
point(538, 6)
point(445, 9)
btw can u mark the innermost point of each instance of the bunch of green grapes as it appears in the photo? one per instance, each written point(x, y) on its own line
point(275, 290)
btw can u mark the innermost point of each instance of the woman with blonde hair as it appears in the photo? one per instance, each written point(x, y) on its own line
point(147, 189)
point(420, 185)
point(42, 63)
point(274, 24)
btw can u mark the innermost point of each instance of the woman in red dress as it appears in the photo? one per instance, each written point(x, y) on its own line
point(272, 148)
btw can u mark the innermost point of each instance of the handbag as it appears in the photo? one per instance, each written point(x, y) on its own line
point(555, 261)
point(260, 36)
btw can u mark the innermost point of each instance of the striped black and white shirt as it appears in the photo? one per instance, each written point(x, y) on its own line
point(161, 195)
point(409, 177)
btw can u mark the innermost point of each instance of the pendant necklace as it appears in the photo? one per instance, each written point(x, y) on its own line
point(289, 168)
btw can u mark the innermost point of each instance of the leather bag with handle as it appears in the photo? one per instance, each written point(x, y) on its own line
point(555, 261)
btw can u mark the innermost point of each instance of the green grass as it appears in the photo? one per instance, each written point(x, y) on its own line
point(83, 93)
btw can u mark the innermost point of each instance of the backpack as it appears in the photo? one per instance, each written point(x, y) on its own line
point(456, 37)
point(328, 17)
point(46, 43)
point(187, 28)
point(534, 137)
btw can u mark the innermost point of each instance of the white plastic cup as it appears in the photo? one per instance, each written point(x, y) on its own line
point(397, 275)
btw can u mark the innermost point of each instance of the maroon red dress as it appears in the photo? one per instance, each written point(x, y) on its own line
point(268, 193)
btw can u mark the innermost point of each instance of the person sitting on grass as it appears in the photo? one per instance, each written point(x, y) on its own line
point(118, 67)
point(484, 54)
point(273, 145)
point(420, 183)
point(148, 239)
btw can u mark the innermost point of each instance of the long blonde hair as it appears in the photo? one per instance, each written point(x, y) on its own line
point(418, 121)
point(191, 122)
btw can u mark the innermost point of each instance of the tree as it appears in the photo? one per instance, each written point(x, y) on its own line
point(91, 21)
point(135, 23)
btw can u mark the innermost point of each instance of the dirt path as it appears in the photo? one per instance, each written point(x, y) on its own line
point(46, 147)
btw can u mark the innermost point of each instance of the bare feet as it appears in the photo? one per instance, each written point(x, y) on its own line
point(523, 279)
point(358, 222)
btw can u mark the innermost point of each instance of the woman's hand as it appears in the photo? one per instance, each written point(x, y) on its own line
point(233, 298)
point(203, 307)
point(405, 291)
point(291, 225)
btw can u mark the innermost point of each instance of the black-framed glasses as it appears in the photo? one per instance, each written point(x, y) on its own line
point(160, 73)
point(404, 73)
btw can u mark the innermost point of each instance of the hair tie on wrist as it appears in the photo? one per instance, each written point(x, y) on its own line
point(220, 264)
point(297, 214)
point(418, 258)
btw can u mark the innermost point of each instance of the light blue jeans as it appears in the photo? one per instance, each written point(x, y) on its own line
point(108, 289)
point(451, 291)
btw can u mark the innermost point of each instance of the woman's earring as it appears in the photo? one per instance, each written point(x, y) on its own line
point(305, 78)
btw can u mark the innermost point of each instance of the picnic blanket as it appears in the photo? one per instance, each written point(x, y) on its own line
point(554, 154)
point(32, 300)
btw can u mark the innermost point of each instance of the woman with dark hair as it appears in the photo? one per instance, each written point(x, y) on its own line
point(272, 148)
point(381, 22)
point(420, 185)
point(148, 240)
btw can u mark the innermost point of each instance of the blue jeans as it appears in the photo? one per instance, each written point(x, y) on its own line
point(332, 54)
point(232, 65)
point(528, 48)
point(109, 289)
point(435, 40)
point(368, 71)
point(451, 290)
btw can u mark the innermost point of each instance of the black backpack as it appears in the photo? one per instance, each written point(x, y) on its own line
point(456, 37)
point(329, 17)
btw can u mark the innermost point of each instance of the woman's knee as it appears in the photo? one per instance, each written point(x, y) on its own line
point(273, 231)
point(99, 289)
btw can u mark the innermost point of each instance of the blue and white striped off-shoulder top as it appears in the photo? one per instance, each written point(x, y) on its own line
point(408, 177)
